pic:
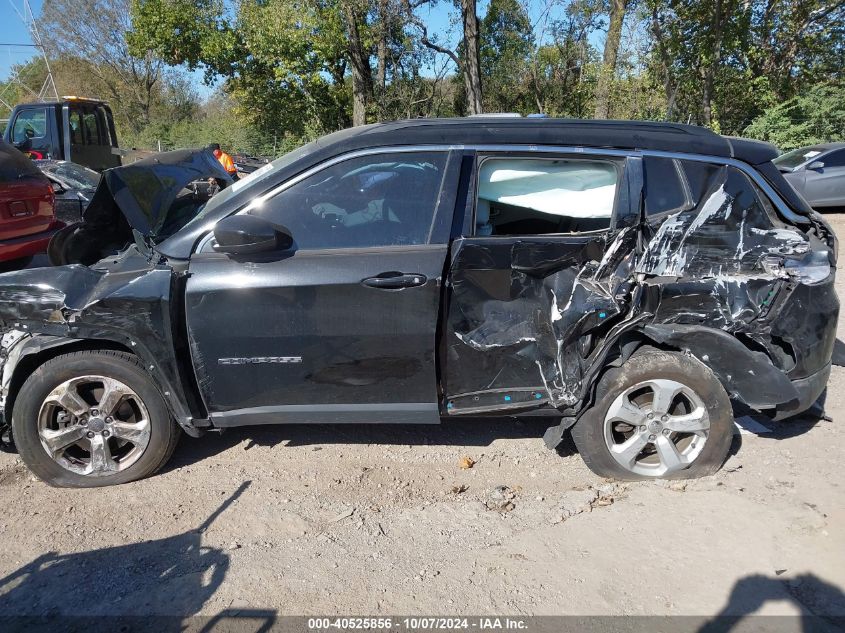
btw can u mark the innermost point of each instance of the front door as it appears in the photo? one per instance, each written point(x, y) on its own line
point(342, 327)
point(824, 186)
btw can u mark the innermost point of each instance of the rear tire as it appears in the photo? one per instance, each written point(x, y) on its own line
point(661, 415)
point(65, 438)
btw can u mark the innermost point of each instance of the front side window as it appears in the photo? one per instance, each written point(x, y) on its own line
point(531, 196)
point(834, 159)
point(370, 201)
point(30, 124)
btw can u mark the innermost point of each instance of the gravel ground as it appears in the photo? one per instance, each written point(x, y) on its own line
point(380, 520)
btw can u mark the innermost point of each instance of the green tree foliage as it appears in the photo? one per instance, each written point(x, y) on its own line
point(286, 71)
point(818, 116)
point(507, 43)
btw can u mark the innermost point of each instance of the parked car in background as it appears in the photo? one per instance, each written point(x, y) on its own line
point(625, 280)
point(27, 211)
point(817, 173)
point(73, 184)
point(73, 129)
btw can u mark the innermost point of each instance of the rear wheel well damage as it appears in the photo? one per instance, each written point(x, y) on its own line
point(36, 350)
point(739, 366)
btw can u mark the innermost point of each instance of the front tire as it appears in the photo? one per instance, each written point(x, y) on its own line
point(661, 415)
point(92, 418)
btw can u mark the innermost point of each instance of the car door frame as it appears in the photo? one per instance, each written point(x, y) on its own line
point(439, 237)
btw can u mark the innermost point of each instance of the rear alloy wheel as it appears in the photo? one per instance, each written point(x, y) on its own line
point(660, 415)
point(656, 428)
point(92, 418)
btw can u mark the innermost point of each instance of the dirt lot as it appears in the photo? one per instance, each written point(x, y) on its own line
point(381, 520)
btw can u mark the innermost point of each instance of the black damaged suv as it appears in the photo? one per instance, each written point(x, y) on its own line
point(625, 280)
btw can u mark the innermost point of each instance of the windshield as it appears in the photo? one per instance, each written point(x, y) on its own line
point(264, 174)
point(791, 160)
point(73, 175)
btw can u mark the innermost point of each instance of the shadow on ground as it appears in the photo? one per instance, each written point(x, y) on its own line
point(821, 606)
point(172, 576)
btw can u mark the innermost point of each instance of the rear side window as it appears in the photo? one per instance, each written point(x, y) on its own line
point(91, 131)
point(532, 196)
point(75, 123)
point(369, 201)
point(664, 186)
point(700, 177)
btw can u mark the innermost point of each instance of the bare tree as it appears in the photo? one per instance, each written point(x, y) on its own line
point(94, 32)
point(469, 64)
point(355, 17)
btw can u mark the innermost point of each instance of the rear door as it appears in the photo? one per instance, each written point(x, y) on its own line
point(89, 135)
point(341, 328)
point(533, 275)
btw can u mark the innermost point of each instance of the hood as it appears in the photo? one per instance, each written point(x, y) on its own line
point(144, 192)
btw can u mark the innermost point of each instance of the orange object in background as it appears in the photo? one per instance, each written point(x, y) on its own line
point(225, 159)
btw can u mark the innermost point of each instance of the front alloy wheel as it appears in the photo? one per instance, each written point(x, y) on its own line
point(94, 425)
point(92, 418)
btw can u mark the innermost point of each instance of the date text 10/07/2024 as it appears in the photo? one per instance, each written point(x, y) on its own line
point(418, 623)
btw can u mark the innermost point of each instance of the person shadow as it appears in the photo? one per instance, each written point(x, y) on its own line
point(159, 582)
point(821, 606)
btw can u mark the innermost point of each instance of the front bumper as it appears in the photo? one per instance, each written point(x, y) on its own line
point(809, 390)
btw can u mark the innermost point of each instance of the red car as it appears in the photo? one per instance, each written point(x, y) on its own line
point(27, 209)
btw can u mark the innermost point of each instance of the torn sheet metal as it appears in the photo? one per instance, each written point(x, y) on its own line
point(125, 301)
point(531, 321)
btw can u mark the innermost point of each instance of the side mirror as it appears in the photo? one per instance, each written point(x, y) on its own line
point(242, 234)
point(816, 165)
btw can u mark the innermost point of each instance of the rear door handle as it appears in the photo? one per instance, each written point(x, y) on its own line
point(394, 281)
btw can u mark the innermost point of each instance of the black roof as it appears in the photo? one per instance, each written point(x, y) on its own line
point(644, 135)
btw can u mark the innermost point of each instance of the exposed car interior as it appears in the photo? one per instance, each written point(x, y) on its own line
point(530, 196)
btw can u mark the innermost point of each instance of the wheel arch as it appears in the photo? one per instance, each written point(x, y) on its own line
point(37, 349)
point(748, 375)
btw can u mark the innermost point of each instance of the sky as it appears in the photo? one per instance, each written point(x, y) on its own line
point(438, 18)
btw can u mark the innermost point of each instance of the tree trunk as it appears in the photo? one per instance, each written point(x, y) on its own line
point(722, 13)
point(359, 59)
point(471, 63)
point(384, 33)
point(669, 87)
point(611, 53)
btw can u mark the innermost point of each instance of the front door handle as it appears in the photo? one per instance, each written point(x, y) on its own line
point(394, 280)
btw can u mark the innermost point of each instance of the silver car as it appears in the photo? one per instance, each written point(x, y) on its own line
point(817, 173)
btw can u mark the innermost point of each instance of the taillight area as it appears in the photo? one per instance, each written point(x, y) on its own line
point(27, 206)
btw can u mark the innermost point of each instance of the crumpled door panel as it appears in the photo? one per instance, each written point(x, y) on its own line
point(532, 320)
